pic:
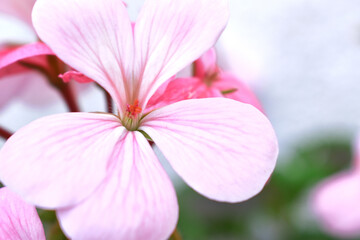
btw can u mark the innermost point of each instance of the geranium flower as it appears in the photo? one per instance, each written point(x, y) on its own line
point(18, 219)
point(98, 170)
point(208, 81)
point(335, 201)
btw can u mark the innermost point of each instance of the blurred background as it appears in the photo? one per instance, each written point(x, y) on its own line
point(301, 58)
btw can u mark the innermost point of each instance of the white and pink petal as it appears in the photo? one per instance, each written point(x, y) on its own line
point(18, 219)
point(135, 201)
point(224, 149)
point(169, 35)
point(94, 37)
point(335, 203)
point(59, 160)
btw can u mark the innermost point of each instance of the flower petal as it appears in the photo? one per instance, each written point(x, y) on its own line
point(225, 150)
point(18, 8)
point(59, 160)
point(236, 89)
point(76, 76)
point(94, 37)
point(11, 58)
point(136, 201)
point(19, 220)
point(169, 35)
point(336, 204)
point(176, 90)
point(12, 87)
point(206, 64)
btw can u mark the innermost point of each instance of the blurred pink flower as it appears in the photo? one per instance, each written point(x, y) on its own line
point(18, 219)
point(20, 59)
point(14, 63)
point(12, 79)
point(208, 81)
point(336, 200)
point(98, 170)
point(32, 66)
point(28, 64)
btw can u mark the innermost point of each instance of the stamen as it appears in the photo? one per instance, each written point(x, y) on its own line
point(131, 120)
point(228, 91)
point(133, 110)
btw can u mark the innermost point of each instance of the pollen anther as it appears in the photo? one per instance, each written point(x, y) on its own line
point(133, 110)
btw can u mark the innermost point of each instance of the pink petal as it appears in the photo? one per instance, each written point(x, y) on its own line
point(30, 86)
point(136, 201)
point(74, 75)
point(37, 92)
point(11, 56)
point(59, 160)
point(22, 59)
point(192, 88)
point(12, 87)
point(18, 8)
point(18, 219)
point(176, 90)
point(169, 35)
point(336, 204)
point(206, 64)
point(225, 150)
point(242, 93)
point(94, 37)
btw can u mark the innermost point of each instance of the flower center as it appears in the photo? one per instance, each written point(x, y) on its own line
point(131, 118)
point(133, 110)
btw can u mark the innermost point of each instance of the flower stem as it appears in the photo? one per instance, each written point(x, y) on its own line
point(5, 133)
point(109, 102)
point(68, 96)
point(175, 235)
point(52, 71)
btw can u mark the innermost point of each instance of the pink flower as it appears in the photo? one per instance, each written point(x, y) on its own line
point(13, 75)
point(14, 70)
point(98, 170)
point(21, 65)
point(32, 66)
point(336, 201)
point(208, 81)
point(18, 219)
